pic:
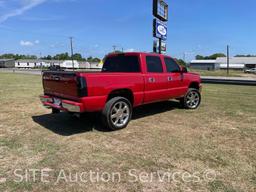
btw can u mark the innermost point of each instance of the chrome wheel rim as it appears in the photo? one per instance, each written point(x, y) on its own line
point(193, 99)
point(120, 114)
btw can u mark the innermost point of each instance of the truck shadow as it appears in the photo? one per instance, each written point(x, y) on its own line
point(67, 125)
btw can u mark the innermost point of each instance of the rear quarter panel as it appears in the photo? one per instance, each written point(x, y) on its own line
point(102, 84)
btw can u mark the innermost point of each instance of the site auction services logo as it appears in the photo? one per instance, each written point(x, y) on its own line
point(56, 177)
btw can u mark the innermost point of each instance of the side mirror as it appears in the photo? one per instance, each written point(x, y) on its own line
point(184, 70)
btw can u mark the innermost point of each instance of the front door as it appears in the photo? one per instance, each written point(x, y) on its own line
point(176, 85)
point(156, 82)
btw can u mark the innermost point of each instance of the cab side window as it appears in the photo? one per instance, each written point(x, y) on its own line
point(154, 64)
point(171, 65)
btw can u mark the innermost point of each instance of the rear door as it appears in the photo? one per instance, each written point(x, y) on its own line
point(156, 84)
point(176, 84)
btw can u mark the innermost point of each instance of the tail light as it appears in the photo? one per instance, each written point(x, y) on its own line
point(81, 87)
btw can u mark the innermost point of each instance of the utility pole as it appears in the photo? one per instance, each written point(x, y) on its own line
point(41, 63)
point(160, 46)
point(71, 47)
point(227, 59)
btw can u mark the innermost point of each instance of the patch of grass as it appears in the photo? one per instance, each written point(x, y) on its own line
point(11, 143)
point(220, 73)
point(45, 147)
point(13, 186)
point(220, 135)
point(219, 186)
point(48, 149)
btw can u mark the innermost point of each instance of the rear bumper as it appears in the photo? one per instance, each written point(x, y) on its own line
point(65, 105)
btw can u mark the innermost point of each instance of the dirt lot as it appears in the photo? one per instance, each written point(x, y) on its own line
point(210, 149)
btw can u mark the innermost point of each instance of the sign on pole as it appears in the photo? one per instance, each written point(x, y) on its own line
point(160, 12)
point(160, 30)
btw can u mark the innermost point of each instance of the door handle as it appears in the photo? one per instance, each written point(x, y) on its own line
point(169, 78)
point(151, 80)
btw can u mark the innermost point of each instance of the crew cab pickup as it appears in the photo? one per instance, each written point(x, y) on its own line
point(127, 80)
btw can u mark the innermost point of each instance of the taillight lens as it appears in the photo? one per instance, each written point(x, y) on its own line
point(81, 86)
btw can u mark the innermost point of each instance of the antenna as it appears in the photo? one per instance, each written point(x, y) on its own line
point(114, 48)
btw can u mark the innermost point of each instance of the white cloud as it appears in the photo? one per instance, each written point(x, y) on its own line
point(13, 8)
point(26, 43)
point(57, 45)
point(26, 5)
point(129, 50)
point(29, 43)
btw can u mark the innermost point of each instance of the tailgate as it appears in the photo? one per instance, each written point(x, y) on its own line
point(62, 84)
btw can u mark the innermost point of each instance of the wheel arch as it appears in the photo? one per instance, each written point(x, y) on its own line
point(194, 85)
point(126, 93)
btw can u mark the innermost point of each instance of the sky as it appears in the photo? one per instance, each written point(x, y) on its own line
point(43, 27)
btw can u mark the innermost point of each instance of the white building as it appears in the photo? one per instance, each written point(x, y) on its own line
point(7, 63)
point(209, 65)
point(236, 63)
point(84, 65)
point(67, 64)
point(28, 63)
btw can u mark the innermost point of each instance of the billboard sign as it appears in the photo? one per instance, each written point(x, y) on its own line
point(160, 30)
point(156, 47)
point(160, 10)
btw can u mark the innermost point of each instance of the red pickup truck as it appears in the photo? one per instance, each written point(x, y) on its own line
point(126, 81)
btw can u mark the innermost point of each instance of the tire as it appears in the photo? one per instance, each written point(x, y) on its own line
point(117, 113)
point(192, 99)
point(55, 111)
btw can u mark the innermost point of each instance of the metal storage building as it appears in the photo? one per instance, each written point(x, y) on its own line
point(7, 63)
point(209, 65)
point(238, 63)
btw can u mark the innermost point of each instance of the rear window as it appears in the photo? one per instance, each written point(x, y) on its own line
point(154, 64)
point(122, 63)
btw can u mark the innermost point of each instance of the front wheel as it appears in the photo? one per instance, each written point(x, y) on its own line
point(192, 99)
point(117, 113)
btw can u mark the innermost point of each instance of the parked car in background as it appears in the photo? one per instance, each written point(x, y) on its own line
point(253, 70)
point(127, 80)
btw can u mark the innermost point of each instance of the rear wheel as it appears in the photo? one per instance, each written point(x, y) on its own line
point(55, 111)
point(192, 99)
point(117, 113)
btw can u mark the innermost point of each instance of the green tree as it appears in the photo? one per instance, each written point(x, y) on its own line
point(214, 56)
point(49, 57)
point(78, 57)
point(17, 56)
point(181, 62)
point(89, 59)
point(96, 60)
point(199, 57)
point(62, 56)
point(245, 55)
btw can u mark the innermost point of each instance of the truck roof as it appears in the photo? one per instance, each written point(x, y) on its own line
point(135, 53)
